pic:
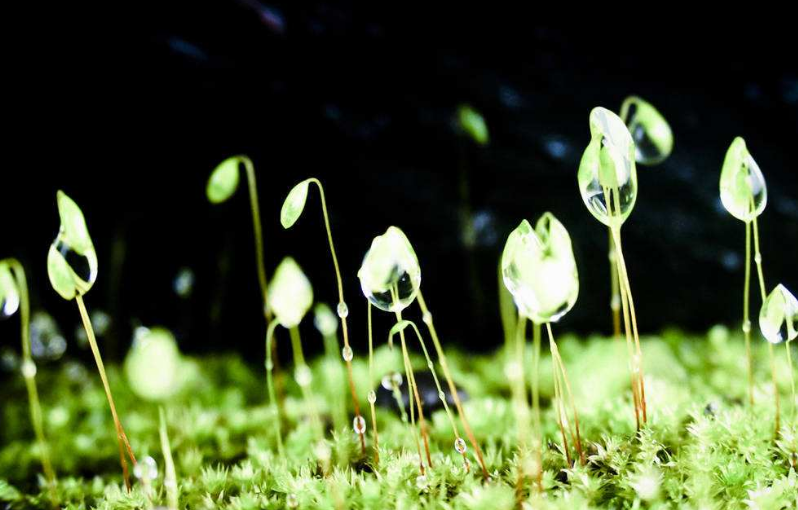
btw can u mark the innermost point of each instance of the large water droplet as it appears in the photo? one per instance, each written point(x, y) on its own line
point(71, 272)
point(742, 185)
point(778, 318)
point(390, 274)
point(347, 353)
point(372, 396)
point(607, 174)
point(28, 369)
point(650, 131)
point(343, 310)
point(460, 445)
point(146, 469)
point(359, 424)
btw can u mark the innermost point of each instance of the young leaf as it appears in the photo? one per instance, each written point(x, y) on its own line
point(71, 260)
point(742, 186)
point(290, 293)
point(294, 204)
point(473, 124)
point(650, 131)
point(153, 363)
point(73, 225)
point(223, 181)
point(390, 274)
point(9, 294)
point(325, 320)
point(778, 318)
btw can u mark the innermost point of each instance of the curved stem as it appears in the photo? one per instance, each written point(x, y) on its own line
point(341, 305)
point(256, 227)
point(270, 386)
point(747, 313)
point(30, 379)
point(372, 385)
point(305, 386)
point(450, 382)
point(564, 373)
point(170, 476)
point(120, 431)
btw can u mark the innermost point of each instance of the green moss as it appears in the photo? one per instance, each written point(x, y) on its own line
point(703, 448)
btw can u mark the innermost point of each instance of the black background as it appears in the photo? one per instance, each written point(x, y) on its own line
point(129, 114)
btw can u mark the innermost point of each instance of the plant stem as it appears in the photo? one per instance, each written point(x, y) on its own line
point(559, 407)
point(536, 402)
point(450, 382)
point(763, 295)
point(506, 309)
point(564, 374)
point(515, 361)
point(30, 380)
point(792, 377)
point(332, 350)
point(747, 313)
point(343, 316)
point(120, 431)
point(170, 476)
point(256, 227)
point(615, 297)
point(270, 386)
point(372, 385)
point(305, 386)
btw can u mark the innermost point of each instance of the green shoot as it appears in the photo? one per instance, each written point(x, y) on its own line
point(778, 321)
point(13, 296)
point(607, 180)
point(291, 211)
point(73, 244)
point(326, 323)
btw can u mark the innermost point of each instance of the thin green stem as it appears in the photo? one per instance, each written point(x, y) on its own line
point(536, 341)
point(516, 361)
point(372, 385)
point(747, 313)
point(270, 386)
point(450, 382)
point(506, 309)
point(763, 295)
point(564, 374)
point(775, 387)
point(30, 378)
point(615, 291)
point(256, 227)
point(342, 309)
point(305, 385)
point(124, 444)
point(170, 475)
point(792, 377)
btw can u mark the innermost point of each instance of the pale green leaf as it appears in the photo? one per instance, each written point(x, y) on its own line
point(223, 181)
point(294, 204)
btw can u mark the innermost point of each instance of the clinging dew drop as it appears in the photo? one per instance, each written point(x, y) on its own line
point(390, 275)
point(359, 424)
point(778, 318)
point(742, 186)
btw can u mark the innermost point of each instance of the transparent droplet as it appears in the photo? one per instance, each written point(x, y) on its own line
point(291, 501)
point(778, 318)
point(746, 326)
point(343, 310)
point(9, 296)
point(28, 369)
point(539, 270)
point(347, 353)
point(758, 258)
point(650, 131)
point(742, 186)
point(72, 260)
point(390, 274)
point(303, 376)
point(421, 482)
point(427, 318)
point(607, 174)
point(397, 379)
point(460, 445)
point(183, 283)
point(359, 424)
point(146, 469)
point(372, 397)
point(442, 396)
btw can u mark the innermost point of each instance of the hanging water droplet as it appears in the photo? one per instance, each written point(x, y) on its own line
point(9, 296)
point(372, 396)
point(742, 185)
point(650, 131)
point(28, 369)
point(442, 396)
point(359, 424)
point(397, 380)
point(421, 482)
point(291, 501)
point(343, 310)
point(303, 376)
point(758, 258)
point(746, 326)
point(347, 353)
point(460, 445)
point(390, 274)
point(183, 283)
point(427, 318)
point(607, 174)
point(146, 469)
point(778, 318)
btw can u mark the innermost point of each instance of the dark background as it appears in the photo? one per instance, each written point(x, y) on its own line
point(130, 119)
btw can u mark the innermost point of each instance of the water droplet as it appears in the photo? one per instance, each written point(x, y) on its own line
point(183, 283)
point(746, 326)
point(9, 296)
point(607, 174)
point(291, 501)
point(146, 469)
point(442, 396)
point(45, 337)
point(343, 310)
point(303, 376)
point(359, 424)
point(421, 482)
point(390, 275)
point(778, 318)
point(460, 445)
point(539, 269)
point(397, 380)
point(372, 397)
point(28, 369)
point(615, 302)
point(427, 318)
point(651, 133)
point(72, 260)
point(742, 186)
point(758, 258)
point(386, 382)
point(347, 353)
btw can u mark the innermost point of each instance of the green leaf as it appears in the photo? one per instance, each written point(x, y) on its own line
point(399, 327)
point(74, 243)
point(473, 124)
point(290, 293)
point(778, 318)
point(650, 131)
point(294, 204)
point(223, 181)
point(60, 274)
point(9, 293)
point(73, 225)
point(742, 186)
point(152, 365)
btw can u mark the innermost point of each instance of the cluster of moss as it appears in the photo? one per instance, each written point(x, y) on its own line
point(704, 445)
